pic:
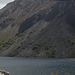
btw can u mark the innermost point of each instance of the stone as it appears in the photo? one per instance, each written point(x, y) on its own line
point(2, 72)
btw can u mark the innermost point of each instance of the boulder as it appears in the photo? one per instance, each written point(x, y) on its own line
point(2, 72)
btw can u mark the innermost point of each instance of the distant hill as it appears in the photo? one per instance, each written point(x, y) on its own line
point(38, 28)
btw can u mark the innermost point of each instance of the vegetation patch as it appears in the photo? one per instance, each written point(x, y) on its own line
point(13, 54)
point(73, 53)
point(50, 51)
point(8, 43)
point(73, 43)
point(20, 34)
point(34, 54)
point(50, 54)
point(50, 46)
point(53, 54)
point(57, 74)
point(38, 45)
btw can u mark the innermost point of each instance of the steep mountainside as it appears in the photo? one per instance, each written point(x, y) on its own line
point(38, 28)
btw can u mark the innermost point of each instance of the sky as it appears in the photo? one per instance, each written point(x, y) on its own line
point(4, 2)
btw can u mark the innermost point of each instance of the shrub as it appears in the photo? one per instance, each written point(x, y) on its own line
point(57, 74)
point(8, 43)
point(38, 45)
point(47, 48)
point(73, 43)
point(53, 54)
point(13, 54)
point(73, 53)
point(20, 34)
point(34, 54)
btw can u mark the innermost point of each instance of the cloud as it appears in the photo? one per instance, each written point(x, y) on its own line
point(4, 2)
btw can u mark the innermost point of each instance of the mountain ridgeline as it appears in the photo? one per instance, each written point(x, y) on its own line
point(38, 28)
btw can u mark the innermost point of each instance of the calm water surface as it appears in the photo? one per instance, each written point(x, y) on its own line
point(37, 66)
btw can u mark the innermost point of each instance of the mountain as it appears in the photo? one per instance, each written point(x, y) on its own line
point(38, 28)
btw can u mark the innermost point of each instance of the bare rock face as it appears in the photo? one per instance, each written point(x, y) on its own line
point(2, 72)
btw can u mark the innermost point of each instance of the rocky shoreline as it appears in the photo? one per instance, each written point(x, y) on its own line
point(2, 72)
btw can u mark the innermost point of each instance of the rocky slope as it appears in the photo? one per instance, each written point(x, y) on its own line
point(38, 28)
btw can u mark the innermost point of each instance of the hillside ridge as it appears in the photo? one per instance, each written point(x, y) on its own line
point(38, 28)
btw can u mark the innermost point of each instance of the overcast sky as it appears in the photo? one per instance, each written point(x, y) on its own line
point(4, 2)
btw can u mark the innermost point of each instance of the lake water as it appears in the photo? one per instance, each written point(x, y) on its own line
point(37, 66)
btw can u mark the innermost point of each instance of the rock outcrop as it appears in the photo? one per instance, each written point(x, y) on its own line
point(2, 72)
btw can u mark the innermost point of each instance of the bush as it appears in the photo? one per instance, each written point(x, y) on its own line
point(47, 48)
point(57, 74)
point(8, 43)
point(34, 54)
point(38, 45)
point(73, 43)
point(20, 34)
point(73, 53)
point(53, 54)
point(13, 54)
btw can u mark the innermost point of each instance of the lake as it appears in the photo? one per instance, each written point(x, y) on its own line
point(37, 66)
